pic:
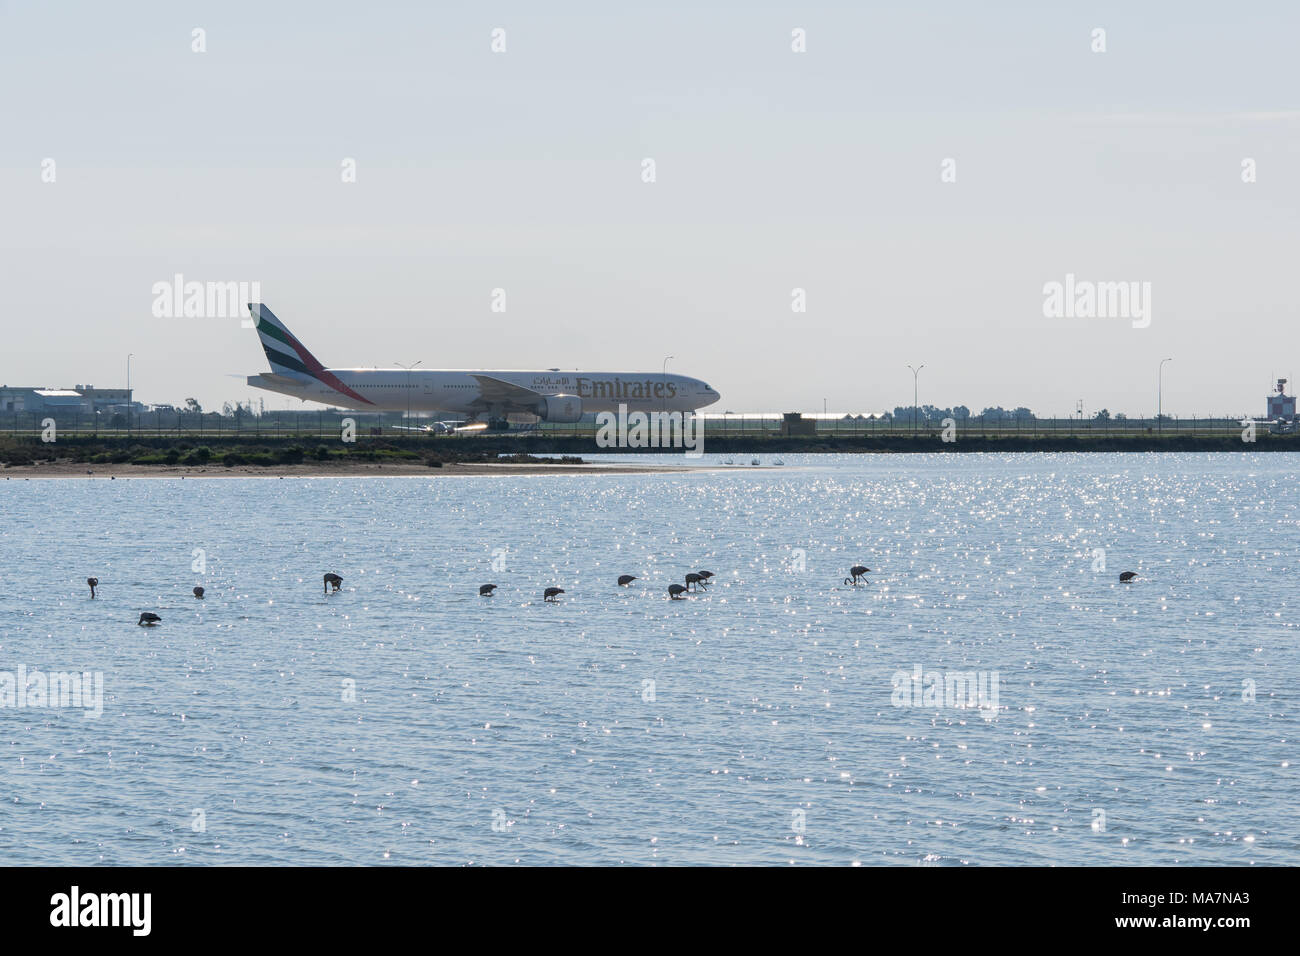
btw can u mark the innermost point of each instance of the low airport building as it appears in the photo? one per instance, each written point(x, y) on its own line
point(81, 399)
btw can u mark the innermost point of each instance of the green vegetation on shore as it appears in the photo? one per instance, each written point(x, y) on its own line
point(250, 450)
point(235, 450)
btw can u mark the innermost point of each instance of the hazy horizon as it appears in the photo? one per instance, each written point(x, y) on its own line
point(775, 170)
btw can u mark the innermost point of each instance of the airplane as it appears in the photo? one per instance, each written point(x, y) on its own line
point(433, 428)
point(1276, 426)
point(549, 395)
point(459, 428)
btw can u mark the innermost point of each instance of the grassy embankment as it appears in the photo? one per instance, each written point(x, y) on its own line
point(237, 450)
point(249, 450)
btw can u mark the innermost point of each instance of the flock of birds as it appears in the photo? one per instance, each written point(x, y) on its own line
point(699, 580)
point(149, 618)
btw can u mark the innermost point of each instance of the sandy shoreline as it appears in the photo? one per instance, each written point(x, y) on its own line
point(322, 470)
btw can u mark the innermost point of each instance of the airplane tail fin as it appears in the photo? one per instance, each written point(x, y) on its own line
point(290, 357)
point(286, 354)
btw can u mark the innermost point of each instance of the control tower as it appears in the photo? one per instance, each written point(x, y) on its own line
point(1280, 404)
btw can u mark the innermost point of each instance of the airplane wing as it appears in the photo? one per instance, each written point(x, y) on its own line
point(496, 392)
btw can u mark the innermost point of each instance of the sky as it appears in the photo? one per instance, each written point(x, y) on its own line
point(774, 171)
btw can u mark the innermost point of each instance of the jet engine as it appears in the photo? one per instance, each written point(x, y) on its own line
point(565, 409)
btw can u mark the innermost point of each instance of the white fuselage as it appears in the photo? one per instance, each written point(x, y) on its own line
point(422, 390)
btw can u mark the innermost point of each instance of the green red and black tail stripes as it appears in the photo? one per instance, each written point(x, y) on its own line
point(290, 357)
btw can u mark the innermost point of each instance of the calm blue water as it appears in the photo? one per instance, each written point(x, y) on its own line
point(510, 730)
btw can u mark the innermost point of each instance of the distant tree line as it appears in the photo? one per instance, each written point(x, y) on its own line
point(931, 414)
point(934, 414)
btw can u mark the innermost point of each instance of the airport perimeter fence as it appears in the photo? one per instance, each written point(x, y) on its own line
point(324, 425)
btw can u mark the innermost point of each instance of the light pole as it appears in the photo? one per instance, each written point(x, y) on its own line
point(915, 392)
point(1160, 397)
point(128, 393)
point(408, 389)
